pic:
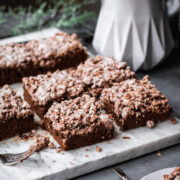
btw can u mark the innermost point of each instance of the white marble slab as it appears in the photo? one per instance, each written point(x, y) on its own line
point(54, 166)
point(30, 36)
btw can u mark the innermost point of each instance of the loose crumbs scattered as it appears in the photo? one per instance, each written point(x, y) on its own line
point(40, 143)
point(150, 124)
point(159, 153)
point(172, 121)
point(58, 150)
point(86, 156)
point(98, 149)
point(51, 145)
point(125, 137)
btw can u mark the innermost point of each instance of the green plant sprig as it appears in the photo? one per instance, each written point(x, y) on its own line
point(60, 14)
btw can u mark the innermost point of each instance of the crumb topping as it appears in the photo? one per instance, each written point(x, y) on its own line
point(42, 52)
point(12, 105)
point(54, 46)
point(96, 72)
point(79, 116)
point(135, 98)
point(102, 71)
point(52, 86)
point(13, 55)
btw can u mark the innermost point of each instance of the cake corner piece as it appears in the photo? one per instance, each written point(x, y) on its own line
point(134, 102)
point(78, 122)
point(16, 117)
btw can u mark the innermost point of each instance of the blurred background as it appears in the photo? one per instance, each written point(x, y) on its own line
point(80, 16)
point(23, 16)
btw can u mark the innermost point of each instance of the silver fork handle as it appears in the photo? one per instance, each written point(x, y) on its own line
point(120, 173)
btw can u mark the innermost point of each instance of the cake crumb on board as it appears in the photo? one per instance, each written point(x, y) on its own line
point(98, 149)
point(86, 156)
point(172, 121)
point(150, 124)
point(126, 137)
point(159, 153)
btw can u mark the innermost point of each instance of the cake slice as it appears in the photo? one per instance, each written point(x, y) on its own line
point(39, 56)
point(79, 122)
point(14, 63)
point(134, 103)
point(57, 52)
point(42, 90)
point(100, 72)
point(16, 117)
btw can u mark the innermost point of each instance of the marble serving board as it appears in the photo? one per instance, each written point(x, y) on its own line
point(50, 165)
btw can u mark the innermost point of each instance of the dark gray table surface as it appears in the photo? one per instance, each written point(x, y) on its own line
point(166, 77)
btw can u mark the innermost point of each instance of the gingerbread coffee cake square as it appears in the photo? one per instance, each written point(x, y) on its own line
point(16, 117)
point(79, 122)
point(134, 103)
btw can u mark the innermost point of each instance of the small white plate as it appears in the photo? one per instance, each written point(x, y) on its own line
point(158, 174)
